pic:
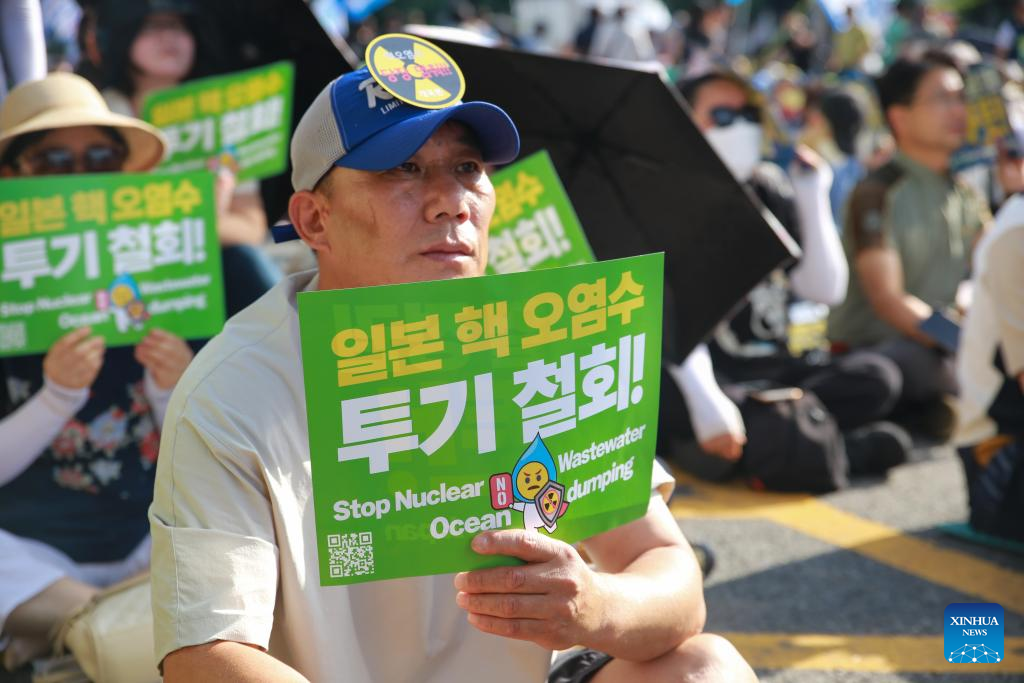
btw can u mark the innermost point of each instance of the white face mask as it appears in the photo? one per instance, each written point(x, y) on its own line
point(739, 146)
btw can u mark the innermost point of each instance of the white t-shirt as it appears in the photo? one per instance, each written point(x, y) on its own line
point(995, 322)
point(233, 528)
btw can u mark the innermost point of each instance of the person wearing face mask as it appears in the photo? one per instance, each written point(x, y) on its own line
point(147, 45)
point(753, 345)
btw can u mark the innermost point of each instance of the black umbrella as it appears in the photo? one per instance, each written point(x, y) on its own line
point(640, 174)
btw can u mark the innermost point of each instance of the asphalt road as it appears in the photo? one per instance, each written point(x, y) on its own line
point(852, 586)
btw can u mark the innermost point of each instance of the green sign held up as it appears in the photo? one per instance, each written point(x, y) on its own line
point(440, 409)
point(534, 224)
point(120, 253)
point(240, 121)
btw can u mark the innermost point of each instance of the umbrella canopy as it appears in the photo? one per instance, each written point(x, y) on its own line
point(640, 175)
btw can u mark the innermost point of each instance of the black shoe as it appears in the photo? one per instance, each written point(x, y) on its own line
point(876, 448)
point(705, 558)
point(933, 420)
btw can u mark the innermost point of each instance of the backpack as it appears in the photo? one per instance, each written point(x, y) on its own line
point(793, 443)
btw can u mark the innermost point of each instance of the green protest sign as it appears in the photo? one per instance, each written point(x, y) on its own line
point(534, 224)
point(240, 120)
point(118, 252)
point(440, 409)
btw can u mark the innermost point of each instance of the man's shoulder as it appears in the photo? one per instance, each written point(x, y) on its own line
point(885, 177)
point(875, 188)
point(254, 356)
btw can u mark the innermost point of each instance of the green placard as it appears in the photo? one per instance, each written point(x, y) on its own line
point(118, 252)
point(440, 409)
point(240, 120)
point(534, 224)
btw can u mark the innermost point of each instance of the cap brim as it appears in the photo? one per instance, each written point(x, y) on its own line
point(146, 144)
point(498, 137)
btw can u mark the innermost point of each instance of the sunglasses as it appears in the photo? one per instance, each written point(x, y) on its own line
point(62, 161)
point(724, 117)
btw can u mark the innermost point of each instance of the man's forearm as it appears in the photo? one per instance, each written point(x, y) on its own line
point(652, 606)
point(906, 313)
point(227, 662)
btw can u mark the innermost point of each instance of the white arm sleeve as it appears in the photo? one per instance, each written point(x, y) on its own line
point(822, 273)
point(35, 424)
point(711, 411)
point(158, 399)
point(21, 40)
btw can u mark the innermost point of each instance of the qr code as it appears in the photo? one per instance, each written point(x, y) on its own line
point(350, 554)
point(13, 336)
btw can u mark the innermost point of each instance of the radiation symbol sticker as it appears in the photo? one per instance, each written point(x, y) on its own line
point(415, 71)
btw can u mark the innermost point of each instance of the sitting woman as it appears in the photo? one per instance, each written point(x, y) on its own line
point(80, 425)
point(149, 45)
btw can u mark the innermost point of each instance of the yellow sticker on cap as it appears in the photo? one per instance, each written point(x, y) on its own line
point(415, 71)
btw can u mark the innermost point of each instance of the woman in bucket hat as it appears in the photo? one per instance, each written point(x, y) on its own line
point(79, 426)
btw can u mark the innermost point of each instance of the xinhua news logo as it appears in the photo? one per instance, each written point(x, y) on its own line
point(974, 633)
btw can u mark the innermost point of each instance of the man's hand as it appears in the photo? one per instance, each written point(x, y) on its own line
point(554, 600)
point(74, 360)
point(727, 445)
point(165, 356)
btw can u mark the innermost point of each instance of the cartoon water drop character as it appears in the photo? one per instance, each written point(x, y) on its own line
point(126, 303)
point(538, 496)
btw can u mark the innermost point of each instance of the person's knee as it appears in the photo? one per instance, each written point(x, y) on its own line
point(877, 378)
point(706, 658)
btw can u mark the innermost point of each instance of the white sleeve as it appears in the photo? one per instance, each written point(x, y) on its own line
point(35, 424)
point(158, 398)
point(822, 273)
point(1005, 35)
point(21, 40)
point(711, 411)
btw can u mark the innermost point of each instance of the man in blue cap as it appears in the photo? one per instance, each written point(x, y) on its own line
point(386, 192)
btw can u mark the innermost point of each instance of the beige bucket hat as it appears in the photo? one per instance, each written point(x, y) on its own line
point(63, 100)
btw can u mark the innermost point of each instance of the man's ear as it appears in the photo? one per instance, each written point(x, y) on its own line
point(897, 117)
point(308, 213)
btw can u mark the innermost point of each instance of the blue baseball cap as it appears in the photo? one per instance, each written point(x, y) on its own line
point(356, 123)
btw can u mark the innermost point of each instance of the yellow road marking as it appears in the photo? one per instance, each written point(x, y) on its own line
point(877, 653)
point(882, 543)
